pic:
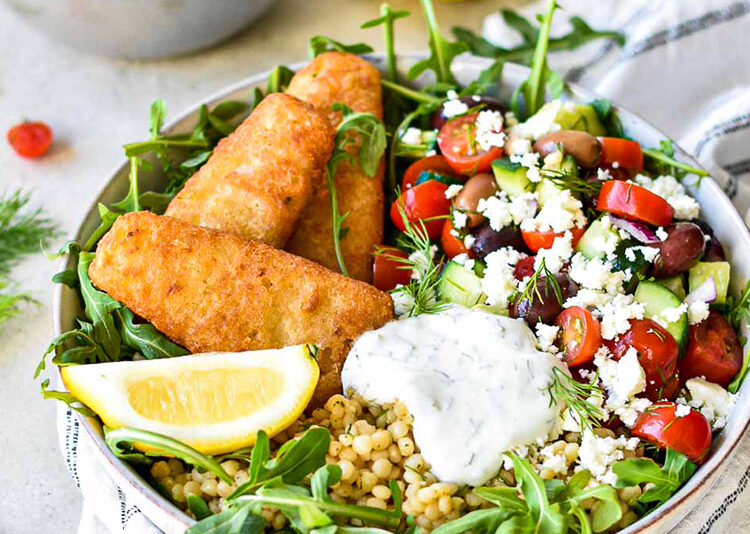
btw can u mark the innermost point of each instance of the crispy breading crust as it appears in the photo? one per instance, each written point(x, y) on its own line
point(340, 77)
point(260, 178)
point(213, 291)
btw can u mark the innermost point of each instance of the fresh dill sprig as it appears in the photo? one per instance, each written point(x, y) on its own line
point(573, 182)
point(21, 231)
point(10, 301)
point(575, 395)
point(532, 286)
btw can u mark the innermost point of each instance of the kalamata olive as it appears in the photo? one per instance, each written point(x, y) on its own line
point(534, 309)
point(488, 240)
point(714, 249)
point(479, 186)
point(584, 147)
point(681, 250)
point(488, 103)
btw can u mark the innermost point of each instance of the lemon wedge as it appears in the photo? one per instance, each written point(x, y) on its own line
point(214, 402)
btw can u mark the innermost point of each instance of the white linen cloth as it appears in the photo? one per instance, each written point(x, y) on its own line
point(686, 69)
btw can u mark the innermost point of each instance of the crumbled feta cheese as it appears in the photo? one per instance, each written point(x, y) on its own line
point(517, 145)
point(616, 315)
point(530, 160)
point(402, 302)
point(554, 461)
point(671, 190)
point(681, 410)
point(598, 454)
point(713, 401)
point(453, 106)
point(557, 255)
point(421, 263)
point(469, 241)
point(459, 219)
point(697, 312)
point(623, 378)
point(670, 315)
point(510, 119)
point(541, 123)
point(476, 98)
point(559, 213)
point(595, 274)
point(649, 253)
point(412, 136)
point(603, 174)
point(615, 164)
point(553, 160)
point(546, 335)
point(588, 298)
point(501, 211)
point(662, 234)
point(453, 190)
point(489, 130)
point(498, 282)
point(628, 412)
point(461, 259)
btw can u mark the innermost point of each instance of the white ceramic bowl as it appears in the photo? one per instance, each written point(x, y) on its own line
point(139, 29)
point(715, 207)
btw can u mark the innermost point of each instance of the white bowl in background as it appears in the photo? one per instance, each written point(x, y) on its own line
point(139, 29)
point(716, 209)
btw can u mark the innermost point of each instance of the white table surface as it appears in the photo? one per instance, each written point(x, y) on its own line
point(94, 106)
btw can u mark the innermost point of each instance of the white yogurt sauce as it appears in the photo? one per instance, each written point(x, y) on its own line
point(473, 381)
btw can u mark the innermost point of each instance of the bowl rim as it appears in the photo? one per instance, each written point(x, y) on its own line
point(123, 474)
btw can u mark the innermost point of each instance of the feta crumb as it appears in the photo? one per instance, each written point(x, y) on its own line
point(489, 130)
point(713, 401)
point(501, 211)
point(546, 335)
point(603, 174)
point(598, 454)
point(649, 253)
point(418, 259)
point(559, 213)
point(530, 160)
point(697, 311)
point(469, 241)
point(623, 378)
point(554, 461)
point(541, 123)
point(616, 315)
point(595, 274)
point(510, 119)
point(453, 190)
point(671, 190)
point(662, 234)
point(682, 410)
point(518, 145)
point(557, 255)
point(412, 136)
point(498, 282)
point(454, 106)
point(670, 315)
point(588, 298)
point(459, 219)
point(615, 164)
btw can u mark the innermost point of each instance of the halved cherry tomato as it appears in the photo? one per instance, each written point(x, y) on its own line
point(634, 202)
point(30, 139)
point(689, 435)
point(457, 144)
point(425, 202)
point(387, 271)
point(436, 164)
point(621, 152)
point(539, 240)
point(452, 245)
point(581, 335)
point(657, 354)
point(714, 351)
point(524, 267)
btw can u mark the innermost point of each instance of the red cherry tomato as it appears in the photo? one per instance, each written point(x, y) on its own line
point(524, 267)
point(436, 164)
point(634, 202)
point(714, 351)
point(30, 139)
point(387, 271)
point(539, 240)
point(689, 435)
point(425, 202)
point(457, 144)
point(621, 152)
point(581, 335)
point(452, 245)
point(657, 354)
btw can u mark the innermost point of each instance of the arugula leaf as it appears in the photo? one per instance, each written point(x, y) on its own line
point(67, 398)
point(608, 117)
point(580, 34)
point(198, 507)
point(160, 445)
point(235, 520)
point(145, 338)
point(279, 79)
point(485, 521)
point(99, 309)
point(155, 202)
point(666, 480)
point(442, 52)
point(319, 44)
point(734, 385)
point(486, 80)
point(387, 19)
point(505, 497)
point(546, 516)
point(606, 514)
point(661, 160)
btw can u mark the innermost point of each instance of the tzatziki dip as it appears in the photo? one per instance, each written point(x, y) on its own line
point(474, 382)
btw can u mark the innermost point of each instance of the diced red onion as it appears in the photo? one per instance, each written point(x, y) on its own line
point(638, 230)
point(706, 292)
point(533, 205)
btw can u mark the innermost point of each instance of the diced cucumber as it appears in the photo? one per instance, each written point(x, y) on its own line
point(581, 117)
point(718, 270)
point(590, 244)
point(655, 299)
point(546, 189)
point(426, 176)
point(674, 284)
point(510, 177)
point(460, 285)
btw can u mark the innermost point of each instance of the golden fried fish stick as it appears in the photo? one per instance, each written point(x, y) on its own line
point(214, 291)
point(260, 177)
point(339, 77)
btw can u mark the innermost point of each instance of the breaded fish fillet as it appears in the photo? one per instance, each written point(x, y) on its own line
point(259, 178)
point(339, 77)
point(213, 291)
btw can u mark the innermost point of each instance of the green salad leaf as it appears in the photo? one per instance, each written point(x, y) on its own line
point(387, 19)
point(278, 80)
point(198, 507)
point(319, 44)
point(237, 519)
point(67, 398)
point(608, 117)
point(661, 161)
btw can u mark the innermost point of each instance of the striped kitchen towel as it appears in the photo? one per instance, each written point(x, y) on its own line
point(686, 69)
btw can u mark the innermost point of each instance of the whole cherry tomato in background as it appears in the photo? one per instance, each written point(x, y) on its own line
point(30, 139)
